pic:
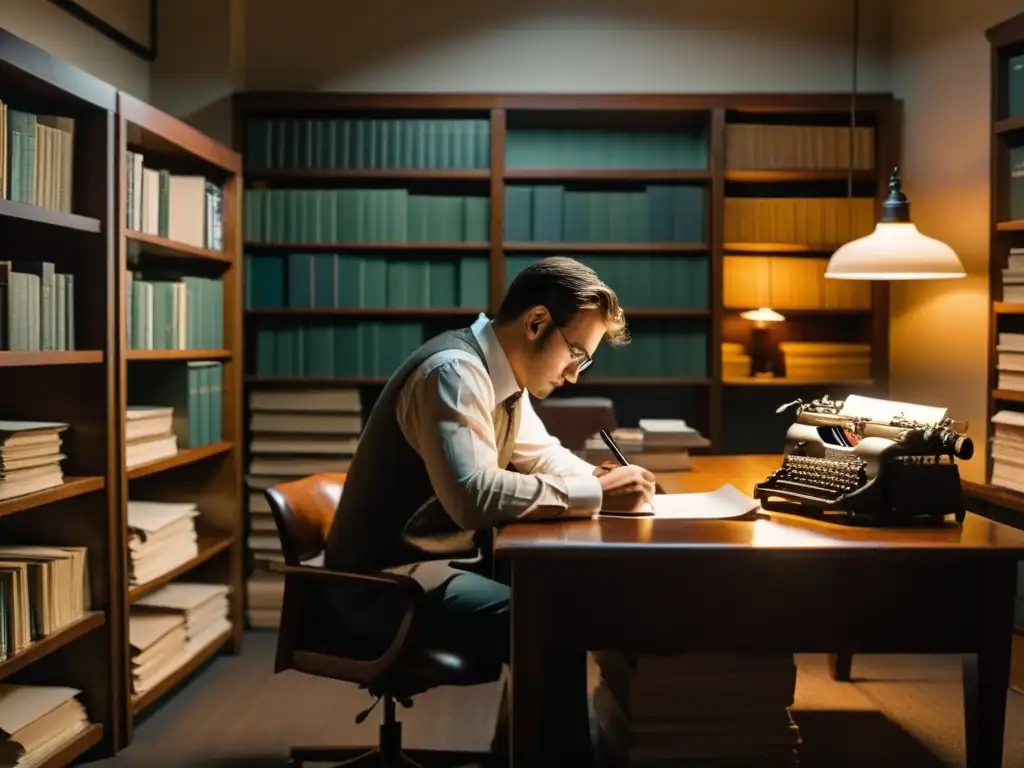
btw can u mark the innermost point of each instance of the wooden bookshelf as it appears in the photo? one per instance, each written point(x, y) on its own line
point(1006, 234)
point(207, 467)
point(60, 367)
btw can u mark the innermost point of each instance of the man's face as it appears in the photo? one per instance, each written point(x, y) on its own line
point(556, 354)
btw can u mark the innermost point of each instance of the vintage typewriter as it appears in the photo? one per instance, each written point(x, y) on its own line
point(870, 461)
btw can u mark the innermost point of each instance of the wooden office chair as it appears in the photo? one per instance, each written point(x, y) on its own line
point(310, 640)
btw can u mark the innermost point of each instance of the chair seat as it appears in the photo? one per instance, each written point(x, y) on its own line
point(433, 667)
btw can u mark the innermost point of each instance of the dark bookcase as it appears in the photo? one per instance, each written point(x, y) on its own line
point(66, 358)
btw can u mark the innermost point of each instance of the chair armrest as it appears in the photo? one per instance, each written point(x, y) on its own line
point(404, 637)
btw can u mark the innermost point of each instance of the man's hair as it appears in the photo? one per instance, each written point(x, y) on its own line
point(564, 286)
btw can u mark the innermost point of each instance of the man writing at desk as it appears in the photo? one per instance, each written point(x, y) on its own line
point(429, 483)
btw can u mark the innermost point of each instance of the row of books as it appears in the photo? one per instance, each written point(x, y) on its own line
point(173, 312)
point(657, 214)
point(170, 626)
point(386, 215)
point(366, 143)
point(376, 348)
point(182, 207)
point(785, 282)
point(364, 281)
point(572, 149)
point(37, 158)
point(37, 722)
point(293, 434)
point(37, 307)
point(1007, 451)
point(825, 360)
point(42, 590)
point(814, 221)
point(754, 146)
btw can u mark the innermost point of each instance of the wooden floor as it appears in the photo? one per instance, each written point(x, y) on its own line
point(902, 711)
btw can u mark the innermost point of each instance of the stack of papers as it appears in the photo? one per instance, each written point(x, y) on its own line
point(159, 645)
point(30, 457)
point(697, 709)
point(36, 722)
point(162, 536)
point(203, 608)
point(149, 434)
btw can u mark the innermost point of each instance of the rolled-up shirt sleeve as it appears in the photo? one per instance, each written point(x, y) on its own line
point(445, 412)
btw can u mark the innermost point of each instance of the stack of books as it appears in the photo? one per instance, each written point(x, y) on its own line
point(149, 434)
point(735, 361)
point(203, 609)
point(825, 360)
point(1007, 452)
point(697, 709)
point(660, 445)
point(295, 433)
point(37, 721)
point(1013, 277)
point(161, 537)
point(159, 646)
point(1010, 361)
point(30, 457)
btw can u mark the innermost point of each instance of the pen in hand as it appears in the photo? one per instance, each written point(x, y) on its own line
point(617, 453)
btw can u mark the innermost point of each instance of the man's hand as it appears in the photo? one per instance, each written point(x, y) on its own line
point(626, 489)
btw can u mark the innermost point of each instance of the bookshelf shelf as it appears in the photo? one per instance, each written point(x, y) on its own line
point(780, 248)
point(366, 312)
point(300, 175)
point(1008, 395)
point(606, 247)
point(782, 176)
point(209, 547)
point(24, 359)
point(162, 246)
point(74, 749)
point(823, 312)
point(177, 354)
point(42, 648)
point(140, 703)
point(1009, 125)
point(182, 458)
point(71, 487)
point(404, 248)
point(1011, 226)
point(1003, 308)
point(617, 175)
point(12, 209)
point(642, 381)
point(782, 381)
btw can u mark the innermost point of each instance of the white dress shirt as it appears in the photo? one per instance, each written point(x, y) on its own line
point(445, 410)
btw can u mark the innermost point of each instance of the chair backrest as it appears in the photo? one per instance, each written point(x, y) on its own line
point(303, 511)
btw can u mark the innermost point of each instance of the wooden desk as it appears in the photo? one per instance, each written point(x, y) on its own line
point(778, 584)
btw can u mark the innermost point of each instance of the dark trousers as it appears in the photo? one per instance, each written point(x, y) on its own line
point(469, 613)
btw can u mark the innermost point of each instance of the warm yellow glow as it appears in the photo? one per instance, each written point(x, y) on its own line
point(895, 251)
point(763, 315)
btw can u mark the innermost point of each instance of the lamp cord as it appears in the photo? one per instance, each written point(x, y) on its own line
point(853, 106)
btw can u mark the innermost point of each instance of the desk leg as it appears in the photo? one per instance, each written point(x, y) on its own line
point(986, 674)
point(527, 666)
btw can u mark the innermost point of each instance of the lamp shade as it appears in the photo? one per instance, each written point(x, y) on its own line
point(896, 250)
point(763, 315)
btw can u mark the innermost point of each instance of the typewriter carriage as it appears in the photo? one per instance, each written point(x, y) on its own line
point(867, 471)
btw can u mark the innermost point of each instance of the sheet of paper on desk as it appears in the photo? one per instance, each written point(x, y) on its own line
point(726, 502)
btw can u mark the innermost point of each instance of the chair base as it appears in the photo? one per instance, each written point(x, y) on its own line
point(372, 757)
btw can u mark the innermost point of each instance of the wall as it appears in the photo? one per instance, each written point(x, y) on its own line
point(939, 330)
point(52, 29)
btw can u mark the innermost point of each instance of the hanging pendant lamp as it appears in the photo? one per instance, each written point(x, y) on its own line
point(896, 250)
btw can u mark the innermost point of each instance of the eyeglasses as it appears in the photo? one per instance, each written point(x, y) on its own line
point(579, 356)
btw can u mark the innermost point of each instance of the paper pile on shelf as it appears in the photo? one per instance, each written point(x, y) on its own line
point(161, 537)
point(204, 609)
point(149, 434)
point(697, 709)
point(30, 457)
point(36, 721)
point(159, 645)
point(1007, 452)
